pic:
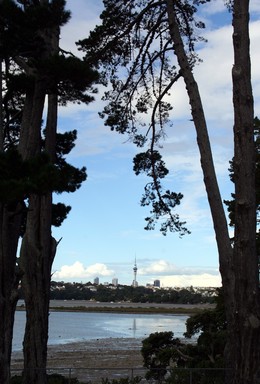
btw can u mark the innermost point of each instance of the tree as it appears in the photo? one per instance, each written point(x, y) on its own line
point(157, 350)
point(163, 354)
point(35, 68)
point(10, 230)
point(136, 46)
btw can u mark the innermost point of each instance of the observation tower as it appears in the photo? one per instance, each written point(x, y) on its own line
point(135, 283)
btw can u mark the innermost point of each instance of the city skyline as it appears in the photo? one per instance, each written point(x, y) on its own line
point(115, 280)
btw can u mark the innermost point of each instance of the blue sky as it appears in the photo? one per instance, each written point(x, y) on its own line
point(104, 231)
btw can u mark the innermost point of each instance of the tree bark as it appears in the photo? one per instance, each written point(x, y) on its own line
point(1, 107)
point(10, 222)
point(238, 267)
point(38, 246)
point(33, 247)
point(245, 317)
point(37, 254)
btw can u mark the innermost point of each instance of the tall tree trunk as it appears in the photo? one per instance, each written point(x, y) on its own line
point(239, 267)
point(38, 246)
point(10, 222)
point(33, 246)
point(207, 163)
point(245, 317)
point(1, 107)
point(37, 254)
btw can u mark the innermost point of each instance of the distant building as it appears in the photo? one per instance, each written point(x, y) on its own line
point(135, 283)
point(115, 281)
point(96, 280)
point(157, 283)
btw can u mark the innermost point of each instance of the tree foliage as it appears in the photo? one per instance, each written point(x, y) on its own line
point(22, 51)
point(134, 48)
point(157, 351)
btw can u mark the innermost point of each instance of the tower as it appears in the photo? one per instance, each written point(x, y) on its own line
point(135, 284)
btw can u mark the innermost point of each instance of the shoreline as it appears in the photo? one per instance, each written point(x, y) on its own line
point(123, 307)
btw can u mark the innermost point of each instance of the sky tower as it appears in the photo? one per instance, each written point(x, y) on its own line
point(135, 284)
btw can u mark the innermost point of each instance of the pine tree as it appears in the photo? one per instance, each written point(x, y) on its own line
point(33, 166)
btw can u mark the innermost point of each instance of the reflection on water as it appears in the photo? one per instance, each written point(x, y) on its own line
point(67, 327)
point(134, 327)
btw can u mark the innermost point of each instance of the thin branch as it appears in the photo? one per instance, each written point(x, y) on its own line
point(157, 103)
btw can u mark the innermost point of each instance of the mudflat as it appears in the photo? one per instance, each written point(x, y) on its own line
point(92, 360)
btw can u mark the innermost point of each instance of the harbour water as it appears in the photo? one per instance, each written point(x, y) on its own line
point(69, 327)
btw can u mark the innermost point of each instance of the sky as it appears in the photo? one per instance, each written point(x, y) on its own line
point(104, 232)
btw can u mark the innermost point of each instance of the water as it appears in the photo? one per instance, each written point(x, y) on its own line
point(69, 327)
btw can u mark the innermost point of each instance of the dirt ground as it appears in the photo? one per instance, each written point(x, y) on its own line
point(92, 360)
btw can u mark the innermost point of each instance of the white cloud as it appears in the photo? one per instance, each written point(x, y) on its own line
point(200, 280)
point(156, 267)
point(165, 268)
point(79, 272)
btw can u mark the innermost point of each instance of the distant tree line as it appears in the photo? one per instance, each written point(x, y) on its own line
point(88, 291)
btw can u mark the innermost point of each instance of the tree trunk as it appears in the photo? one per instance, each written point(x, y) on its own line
point(33, 248)
point(245, 317)
point(207, 164)
point(238, 268)
point(10, 222)
point(30, 135)
point(1, 107)
point(37, 254)
point(38, 247)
